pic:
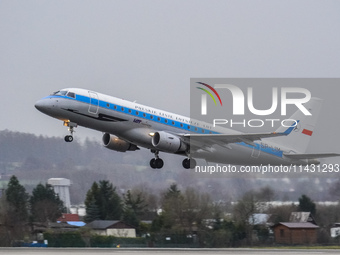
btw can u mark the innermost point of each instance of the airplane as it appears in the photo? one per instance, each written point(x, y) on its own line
point(127, 126)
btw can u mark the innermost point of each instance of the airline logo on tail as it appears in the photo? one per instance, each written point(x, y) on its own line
point(307, 132)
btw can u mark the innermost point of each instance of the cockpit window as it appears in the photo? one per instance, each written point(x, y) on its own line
point(60, 93)
point(71, 94)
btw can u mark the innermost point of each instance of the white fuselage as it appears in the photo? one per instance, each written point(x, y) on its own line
point(136, 123)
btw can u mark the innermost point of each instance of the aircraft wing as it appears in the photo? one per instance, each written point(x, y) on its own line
point(224, 139)
point(311, 156)
point(207, 140)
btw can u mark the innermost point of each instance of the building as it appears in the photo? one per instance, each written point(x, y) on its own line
point(293, 233)
point(62, 188)
point(65, 217)
point(335, 230)
point(71, 219)
point(302, 217)
point(112, 228)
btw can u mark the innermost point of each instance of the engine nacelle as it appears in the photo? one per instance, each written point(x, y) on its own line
point(112, 142)
point(164, 141)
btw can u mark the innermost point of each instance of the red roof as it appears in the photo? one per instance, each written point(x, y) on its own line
point(69, 217)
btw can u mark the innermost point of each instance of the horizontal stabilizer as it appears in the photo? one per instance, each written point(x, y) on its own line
point(311, 156)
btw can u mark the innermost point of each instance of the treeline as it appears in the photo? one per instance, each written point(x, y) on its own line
point(174, 217)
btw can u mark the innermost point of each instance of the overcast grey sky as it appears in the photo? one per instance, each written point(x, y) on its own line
point(148, 50)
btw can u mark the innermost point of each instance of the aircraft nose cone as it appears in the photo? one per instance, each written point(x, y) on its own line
point(39, 105)
point(42, 105)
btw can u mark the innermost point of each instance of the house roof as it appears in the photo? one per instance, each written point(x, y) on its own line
point(297, 225)
point(301, 217)
point(68, 217)
point(105, 224)
point(76, 223)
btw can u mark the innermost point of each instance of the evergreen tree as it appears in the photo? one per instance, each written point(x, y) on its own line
point(13, 212)
point(306, 205)
point(93, 197)
point(103, 202)
point(45, 204)
point(111, 208)
point(92, 212)
point(134, 206)
point(17, 199)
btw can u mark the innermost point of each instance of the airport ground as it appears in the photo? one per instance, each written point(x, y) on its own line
point(165, 251)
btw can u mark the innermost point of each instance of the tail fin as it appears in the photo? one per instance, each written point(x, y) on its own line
point(299, 138)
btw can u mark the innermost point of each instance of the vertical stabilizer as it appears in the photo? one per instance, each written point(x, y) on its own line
point(298, 139)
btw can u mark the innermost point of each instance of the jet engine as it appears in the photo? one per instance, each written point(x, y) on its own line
point(164, 141)
point(113, 142)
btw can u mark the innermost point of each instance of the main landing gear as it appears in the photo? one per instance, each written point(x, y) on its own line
point(189, 163)
point(158, 163)
point(71, 126)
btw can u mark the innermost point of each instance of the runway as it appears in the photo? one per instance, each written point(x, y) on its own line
point(129, 251)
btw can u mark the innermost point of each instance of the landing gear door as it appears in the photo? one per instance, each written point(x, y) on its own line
point(94, 102)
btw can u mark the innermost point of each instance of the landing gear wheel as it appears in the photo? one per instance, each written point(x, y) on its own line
point(156, 163)
point(186, 163)
point(159, 163)
point(153, 163)
point(189, 163)
point(68, 138)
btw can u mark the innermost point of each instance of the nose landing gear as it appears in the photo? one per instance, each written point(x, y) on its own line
point(68, 138)
point(71, 126)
